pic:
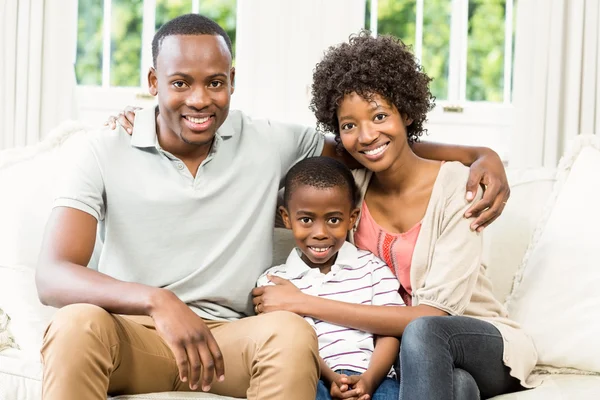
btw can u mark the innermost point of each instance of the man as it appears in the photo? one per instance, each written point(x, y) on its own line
point(185, 208)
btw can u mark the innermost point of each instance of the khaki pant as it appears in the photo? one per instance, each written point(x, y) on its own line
point(88, 352)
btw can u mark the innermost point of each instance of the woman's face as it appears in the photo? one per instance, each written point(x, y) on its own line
point(373, 132)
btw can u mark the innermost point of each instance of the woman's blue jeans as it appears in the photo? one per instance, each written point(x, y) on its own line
point(387, 390)
point(453, 358)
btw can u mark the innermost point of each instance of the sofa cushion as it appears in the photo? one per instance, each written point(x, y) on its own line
point(7, 340)
point(18, 298)
point(556, 296)
point(506, 240)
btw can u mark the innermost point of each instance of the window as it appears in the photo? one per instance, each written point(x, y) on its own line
point(115, 36)
point(466, 46)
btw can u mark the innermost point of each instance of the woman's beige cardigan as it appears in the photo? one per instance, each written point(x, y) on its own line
point(447, 272)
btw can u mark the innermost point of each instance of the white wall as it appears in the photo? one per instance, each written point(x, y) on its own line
point(279, 43)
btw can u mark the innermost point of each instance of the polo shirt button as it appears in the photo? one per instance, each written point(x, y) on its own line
point(179, 166)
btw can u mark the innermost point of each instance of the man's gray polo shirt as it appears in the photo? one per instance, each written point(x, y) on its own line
point(206, 238)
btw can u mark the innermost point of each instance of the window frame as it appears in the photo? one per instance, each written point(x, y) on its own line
point(456, 109)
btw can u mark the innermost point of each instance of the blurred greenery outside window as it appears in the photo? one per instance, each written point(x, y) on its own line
point(126, 35)
point(485, 40)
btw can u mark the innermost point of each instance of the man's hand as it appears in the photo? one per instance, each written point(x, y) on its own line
point(190, 340)
point(488, 171)
point(282, 296)
point(125, 119)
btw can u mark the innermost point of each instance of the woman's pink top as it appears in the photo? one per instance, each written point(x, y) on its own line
point(396, 249)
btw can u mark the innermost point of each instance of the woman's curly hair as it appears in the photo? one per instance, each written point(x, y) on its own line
point(369, 66)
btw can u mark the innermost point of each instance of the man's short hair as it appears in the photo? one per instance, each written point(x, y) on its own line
point(188, 24)
point(322, 173)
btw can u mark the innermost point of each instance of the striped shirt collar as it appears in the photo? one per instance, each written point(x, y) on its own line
point(346, 259)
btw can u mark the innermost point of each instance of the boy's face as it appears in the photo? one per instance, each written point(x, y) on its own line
point(320, 220)
point(194, 82)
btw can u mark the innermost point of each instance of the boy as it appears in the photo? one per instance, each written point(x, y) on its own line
point(320, 206)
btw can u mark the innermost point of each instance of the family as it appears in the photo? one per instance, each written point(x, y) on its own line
point(383, 297)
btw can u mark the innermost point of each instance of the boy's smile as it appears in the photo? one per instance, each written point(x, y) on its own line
point(320, 219)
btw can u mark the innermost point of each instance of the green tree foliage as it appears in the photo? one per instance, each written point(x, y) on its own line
point(88, 67)
point(485, 60)
point(485, 54)
point(166, 10)
point(126, 42)
point(223, 12)
point(126, 34)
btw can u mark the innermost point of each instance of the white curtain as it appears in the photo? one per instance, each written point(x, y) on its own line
point(279, 43)
point(37, 78)
point(556, 77)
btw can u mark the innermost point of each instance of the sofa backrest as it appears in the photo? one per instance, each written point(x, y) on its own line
point(506, 239)
point(27, 193)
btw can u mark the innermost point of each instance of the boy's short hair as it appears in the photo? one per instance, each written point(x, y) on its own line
point(188, 24)
point(322, 173)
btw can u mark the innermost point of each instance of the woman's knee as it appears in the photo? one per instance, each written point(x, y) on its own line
point(464, 385)
point(421, 333)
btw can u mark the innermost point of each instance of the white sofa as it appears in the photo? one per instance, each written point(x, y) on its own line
point(27, 179)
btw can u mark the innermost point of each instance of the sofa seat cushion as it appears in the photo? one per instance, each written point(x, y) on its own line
point(560, 387)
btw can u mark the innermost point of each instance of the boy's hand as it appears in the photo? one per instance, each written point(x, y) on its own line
point(340, 388)
point(361, 385)
point(125, 119)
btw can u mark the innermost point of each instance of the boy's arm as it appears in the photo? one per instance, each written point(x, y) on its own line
point(327, 374)
point(384, 355)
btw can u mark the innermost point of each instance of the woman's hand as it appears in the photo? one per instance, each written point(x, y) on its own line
point(282, 296)
point(488, 171)
point(125, 119)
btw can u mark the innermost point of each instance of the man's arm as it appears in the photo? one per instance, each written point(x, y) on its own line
point(62, 278)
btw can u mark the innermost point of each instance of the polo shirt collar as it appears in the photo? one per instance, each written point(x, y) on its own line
point(346, 259)
point(144, 129)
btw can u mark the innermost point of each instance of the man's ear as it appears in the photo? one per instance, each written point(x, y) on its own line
point(353, 217)
point(285, 216)
point(152, 82)
point(232, 79)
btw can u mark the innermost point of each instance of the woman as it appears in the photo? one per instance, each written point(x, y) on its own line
point(457, 339)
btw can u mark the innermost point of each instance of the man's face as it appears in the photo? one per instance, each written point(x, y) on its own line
point(194, 82)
